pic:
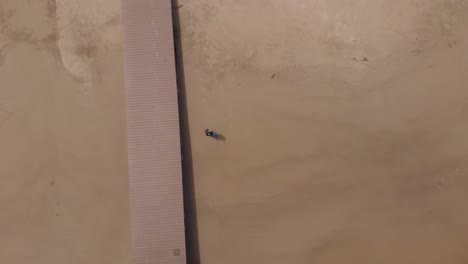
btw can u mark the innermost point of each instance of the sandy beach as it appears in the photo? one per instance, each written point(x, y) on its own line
point(64, 191)
point(345, 126)
point(345, 130)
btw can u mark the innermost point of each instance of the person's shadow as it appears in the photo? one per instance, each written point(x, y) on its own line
point(220, 137)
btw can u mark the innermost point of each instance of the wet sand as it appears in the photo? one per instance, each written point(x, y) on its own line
point(344, 123)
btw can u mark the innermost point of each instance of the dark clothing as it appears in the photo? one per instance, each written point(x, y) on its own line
point(211, 134)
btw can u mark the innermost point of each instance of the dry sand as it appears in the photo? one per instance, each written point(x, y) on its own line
point(346, 130)
point(345, 123)
point(63, 169)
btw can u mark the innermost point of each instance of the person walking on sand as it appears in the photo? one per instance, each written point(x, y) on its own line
point(210, 133)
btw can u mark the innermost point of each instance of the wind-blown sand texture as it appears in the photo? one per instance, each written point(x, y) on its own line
point(346, 130)
point(345, 125)
point(64, 190)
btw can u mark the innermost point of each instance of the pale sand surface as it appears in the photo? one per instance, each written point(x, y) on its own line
point(327, 159)
point(63, 190)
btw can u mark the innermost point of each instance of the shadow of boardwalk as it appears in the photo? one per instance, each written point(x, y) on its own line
point(190, 207)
